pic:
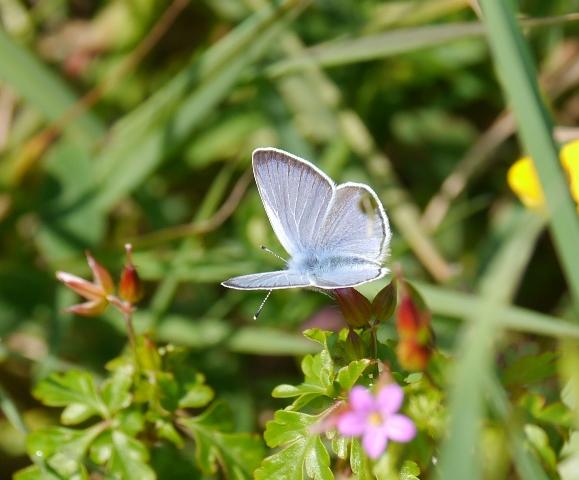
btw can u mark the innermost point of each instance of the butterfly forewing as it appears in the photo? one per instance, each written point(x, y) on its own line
point(295, 195)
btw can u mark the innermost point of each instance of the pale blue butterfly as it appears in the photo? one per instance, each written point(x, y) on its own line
point(336, 235)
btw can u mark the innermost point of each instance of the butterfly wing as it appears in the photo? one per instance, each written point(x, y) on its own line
point(296, 196)
point(356, 232)
point(355, 225)
point(268, 281)
point(314, 218)
point(348, 276)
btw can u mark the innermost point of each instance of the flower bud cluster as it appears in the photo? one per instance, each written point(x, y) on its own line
point(100, 293)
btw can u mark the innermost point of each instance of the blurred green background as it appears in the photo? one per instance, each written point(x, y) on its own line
point(134, 121)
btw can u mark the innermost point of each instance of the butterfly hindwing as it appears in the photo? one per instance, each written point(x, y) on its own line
point(268, 281)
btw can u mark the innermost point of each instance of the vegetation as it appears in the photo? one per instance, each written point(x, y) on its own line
point(133, 122)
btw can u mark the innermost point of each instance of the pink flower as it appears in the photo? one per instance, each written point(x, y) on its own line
point(375, 419)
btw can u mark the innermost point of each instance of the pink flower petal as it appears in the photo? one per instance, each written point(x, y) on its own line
point(352, 424)
point(400, 428)
point(374, 441)
point(361, 399)
point(390, 399)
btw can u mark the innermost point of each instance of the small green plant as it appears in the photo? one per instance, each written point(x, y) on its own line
point(151, 406)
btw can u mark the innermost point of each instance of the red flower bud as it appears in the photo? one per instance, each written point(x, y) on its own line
point(130, 287)
point(355, 307)
point(96, 292)
point(408, 318)
point(412, 355)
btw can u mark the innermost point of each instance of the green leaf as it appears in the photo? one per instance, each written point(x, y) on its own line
point(129, 458)
point(409, 471)
point(125, 456)
point(131, 420)
point(319, 370)
point(238, 454)
point(569, 463)
point(74, 390)
point(340, 446)
point(303, 454)
point(359, 462)
point(167, 431)
point(319, 380)
point(349, 375)
point(116, 390)
point(62, 448)
point(538, 438)
point(197, 396)
point(45, 472)
point(531, 369)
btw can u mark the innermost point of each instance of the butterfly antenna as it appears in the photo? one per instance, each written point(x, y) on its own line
point(262, 305)
point(265, 249)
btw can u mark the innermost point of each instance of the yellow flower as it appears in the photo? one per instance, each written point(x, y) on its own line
point(524, 181)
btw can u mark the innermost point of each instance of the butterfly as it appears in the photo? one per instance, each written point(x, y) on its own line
point(337, 236)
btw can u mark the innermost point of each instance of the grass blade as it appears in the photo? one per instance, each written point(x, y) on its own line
point(127, 161)
point(39, 86)
point(519, 81)
point(394, 42)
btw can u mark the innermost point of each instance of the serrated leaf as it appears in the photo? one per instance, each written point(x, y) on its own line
point(349, 375)
point(130, 420)
point(303, 454)
point(167, 431)
point(76, 391)
point(319, 370)
point(409, 471)
point(45, 472)
point(62, 448)
point(33, 472)
point(238, 454)
point(569, 462)
point(290, 391)
point(359, 462)
point(196, 396)
point(538, 438)
point(129, 458)
point(318, 336)
point(116, 390)
point(101, 450)
point(46, 442)
point(531, 369)
point(340, 446)
point(318, 381)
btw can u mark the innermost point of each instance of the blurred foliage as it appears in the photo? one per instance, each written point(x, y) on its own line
point(134, 120)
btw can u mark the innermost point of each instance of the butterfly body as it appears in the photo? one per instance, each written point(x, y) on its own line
point(336, 235)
